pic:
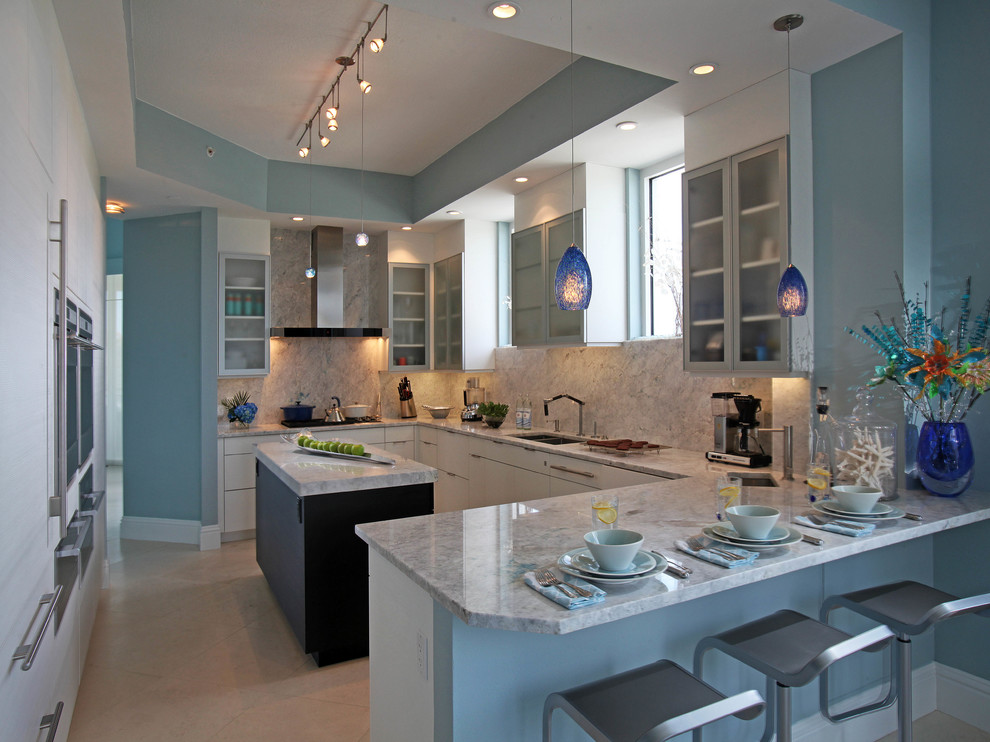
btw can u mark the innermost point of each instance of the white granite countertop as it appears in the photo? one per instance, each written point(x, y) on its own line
point(471, 562)
point(311, 474)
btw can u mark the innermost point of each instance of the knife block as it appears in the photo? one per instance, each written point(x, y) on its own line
point(407, 408)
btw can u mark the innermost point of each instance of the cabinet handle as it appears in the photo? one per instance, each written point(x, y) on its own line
point(474, 456)
point(573, 471)
point(50, 722)
point(27, 652)
point(428, 443)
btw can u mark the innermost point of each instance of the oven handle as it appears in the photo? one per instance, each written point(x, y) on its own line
point(27, 652)
point(50, 722)
point(74, 548)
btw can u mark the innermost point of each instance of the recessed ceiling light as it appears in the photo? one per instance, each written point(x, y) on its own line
point(454, 212)
point(113, 207)
point(298, 218)
point(406, 229)
point(502, 11)
point(522, 179)
point(705, 68)
point(626, 125)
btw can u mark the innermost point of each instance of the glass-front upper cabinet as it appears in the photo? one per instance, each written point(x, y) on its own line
point(448, 322)
point(736, 249)
point(536, 252)
point(408, 315)
point(244, 315)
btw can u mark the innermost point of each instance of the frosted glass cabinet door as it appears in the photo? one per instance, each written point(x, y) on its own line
point(408, 315)
point(441, 297)
point(563, 326)
point(759, 189)
point(528, 287)
point(706, 262)
point(448, 323)
point(244, 315)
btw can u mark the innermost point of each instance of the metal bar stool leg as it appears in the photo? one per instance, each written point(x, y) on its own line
point(905, 691)
point(783, 713)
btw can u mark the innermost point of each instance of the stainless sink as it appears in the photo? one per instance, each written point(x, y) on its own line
point(553, 439)
point(754, 479)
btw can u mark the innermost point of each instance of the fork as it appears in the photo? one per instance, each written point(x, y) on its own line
point(546, 578)
point(696, 544)
point(823, 522)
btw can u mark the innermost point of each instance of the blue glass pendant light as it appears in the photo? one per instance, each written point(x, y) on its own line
point(792, 293)
point(572, 282)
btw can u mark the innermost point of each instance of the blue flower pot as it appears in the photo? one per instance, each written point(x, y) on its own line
point(945, 458)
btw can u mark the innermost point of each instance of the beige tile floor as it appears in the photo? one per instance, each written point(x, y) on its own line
point(191, 645)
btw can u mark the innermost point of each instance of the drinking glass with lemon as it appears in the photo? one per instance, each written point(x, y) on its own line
point(604, 511)
point(727, 492)
point(819, 480)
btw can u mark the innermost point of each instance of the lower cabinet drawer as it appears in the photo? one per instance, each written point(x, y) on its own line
point(585, 473)
point(238, 510)
point(238, 471)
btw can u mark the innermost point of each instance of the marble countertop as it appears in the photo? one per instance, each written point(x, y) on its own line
point(312, 474)
point(485, 551)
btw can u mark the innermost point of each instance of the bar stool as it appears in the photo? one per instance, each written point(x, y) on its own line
point(648, 704)
point(791, 650)
point(908, 608)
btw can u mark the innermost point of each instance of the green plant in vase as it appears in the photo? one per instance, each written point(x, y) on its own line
point(493, 413)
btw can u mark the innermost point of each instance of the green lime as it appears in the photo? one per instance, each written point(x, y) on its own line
point(334, 446)
point(345, 447)
point(357, 449)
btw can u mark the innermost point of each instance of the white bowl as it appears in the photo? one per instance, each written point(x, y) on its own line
point(753, 521)
point(613, 548)
point(438, 413)
point(856, 498)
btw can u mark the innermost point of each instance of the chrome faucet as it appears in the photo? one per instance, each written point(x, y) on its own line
point(788, 432)
point(580, 404)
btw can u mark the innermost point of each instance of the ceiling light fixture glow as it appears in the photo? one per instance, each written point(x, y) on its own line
point(503, 11)
point(705, 68)
point(626, 125)
point(406, 229)
point(454, 212)
point(112, 207)
point(522, 179)
point(298, 218)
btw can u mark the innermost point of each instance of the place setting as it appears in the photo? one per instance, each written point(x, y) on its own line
point(742, 531)
point(611, 556)
point(852, 510)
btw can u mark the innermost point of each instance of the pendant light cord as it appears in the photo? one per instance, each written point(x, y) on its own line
point(362, 157)
point(573, 220)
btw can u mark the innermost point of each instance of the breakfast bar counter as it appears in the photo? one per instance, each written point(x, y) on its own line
point(471, 651)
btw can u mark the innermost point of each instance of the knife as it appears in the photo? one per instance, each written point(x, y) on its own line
point(674, 563)
point(812, 539)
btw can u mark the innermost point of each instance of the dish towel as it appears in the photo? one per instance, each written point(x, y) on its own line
point(557, 596)
point(845, 527)
point(715, 558)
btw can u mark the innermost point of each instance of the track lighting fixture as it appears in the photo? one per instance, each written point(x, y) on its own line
point(330, 103)
point(324, 140)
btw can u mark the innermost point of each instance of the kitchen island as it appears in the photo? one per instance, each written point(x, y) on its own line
point(462, 649)
point(307, 507)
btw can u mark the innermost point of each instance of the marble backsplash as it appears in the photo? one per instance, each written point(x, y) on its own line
point(636, 390)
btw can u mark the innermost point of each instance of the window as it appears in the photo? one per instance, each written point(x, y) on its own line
point(662, 265)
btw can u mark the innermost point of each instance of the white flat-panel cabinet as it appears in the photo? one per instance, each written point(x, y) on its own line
point(244, 314)
point(735, 251)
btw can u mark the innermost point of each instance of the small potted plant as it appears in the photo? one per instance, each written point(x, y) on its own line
point(239, 410)
point(493, 413)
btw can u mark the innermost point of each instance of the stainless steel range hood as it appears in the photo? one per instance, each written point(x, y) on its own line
point(348, 292)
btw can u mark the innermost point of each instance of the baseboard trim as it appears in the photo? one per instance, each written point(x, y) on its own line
point(964, 696)
point(161, 529)
point(209, 538)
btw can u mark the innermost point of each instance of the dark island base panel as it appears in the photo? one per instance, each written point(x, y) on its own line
point(316, 565)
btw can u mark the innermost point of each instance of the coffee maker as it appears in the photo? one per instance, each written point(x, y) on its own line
point(736, 434)
point(473, 396)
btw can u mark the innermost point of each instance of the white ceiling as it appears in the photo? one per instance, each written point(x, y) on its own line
point(254, 72)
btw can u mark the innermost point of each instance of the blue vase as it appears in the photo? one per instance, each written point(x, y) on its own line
point(945, 458)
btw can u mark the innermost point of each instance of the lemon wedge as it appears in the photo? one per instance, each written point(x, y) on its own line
point(817, 483)
point(730, 493)
point(606, 515)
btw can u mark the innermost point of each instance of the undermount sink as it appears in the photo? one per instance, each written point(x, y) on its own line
point(553, 439)
point(754, 479)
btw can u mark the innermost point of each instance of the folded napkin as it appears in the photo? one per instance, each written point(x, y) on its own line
point(716, 558)
point(845, 527)
point(557, 596)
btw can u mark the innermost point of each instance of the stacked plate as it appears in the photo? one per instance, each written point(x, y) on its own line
point(580, 563)
point(778, 536)
point(880, 511)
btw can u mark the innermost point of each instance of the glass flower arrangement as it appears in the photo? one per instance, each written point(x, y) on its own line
point(940, 370)
point(239, 409)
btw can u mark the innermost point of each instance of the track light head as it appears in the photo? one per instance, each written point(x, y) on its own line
point(376, 45)
point(304, 151)
point(332, 112)
point(365, 86)
point(332, 125)
point(324, 140)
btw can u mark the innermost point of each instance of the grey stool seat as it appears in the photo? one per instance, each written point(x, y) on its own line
point(791, 649)
point(908, 608)
point(647, 704)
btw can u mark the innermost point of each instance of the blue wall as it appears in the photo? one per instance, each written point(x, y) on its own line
point(115, 246)
point(162, 363)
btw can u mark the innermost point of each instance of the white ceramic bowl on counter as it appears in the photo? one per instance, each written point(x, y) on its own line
point(856, 498)
point(613, 548)
point(753, 521)
point(438, 413)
